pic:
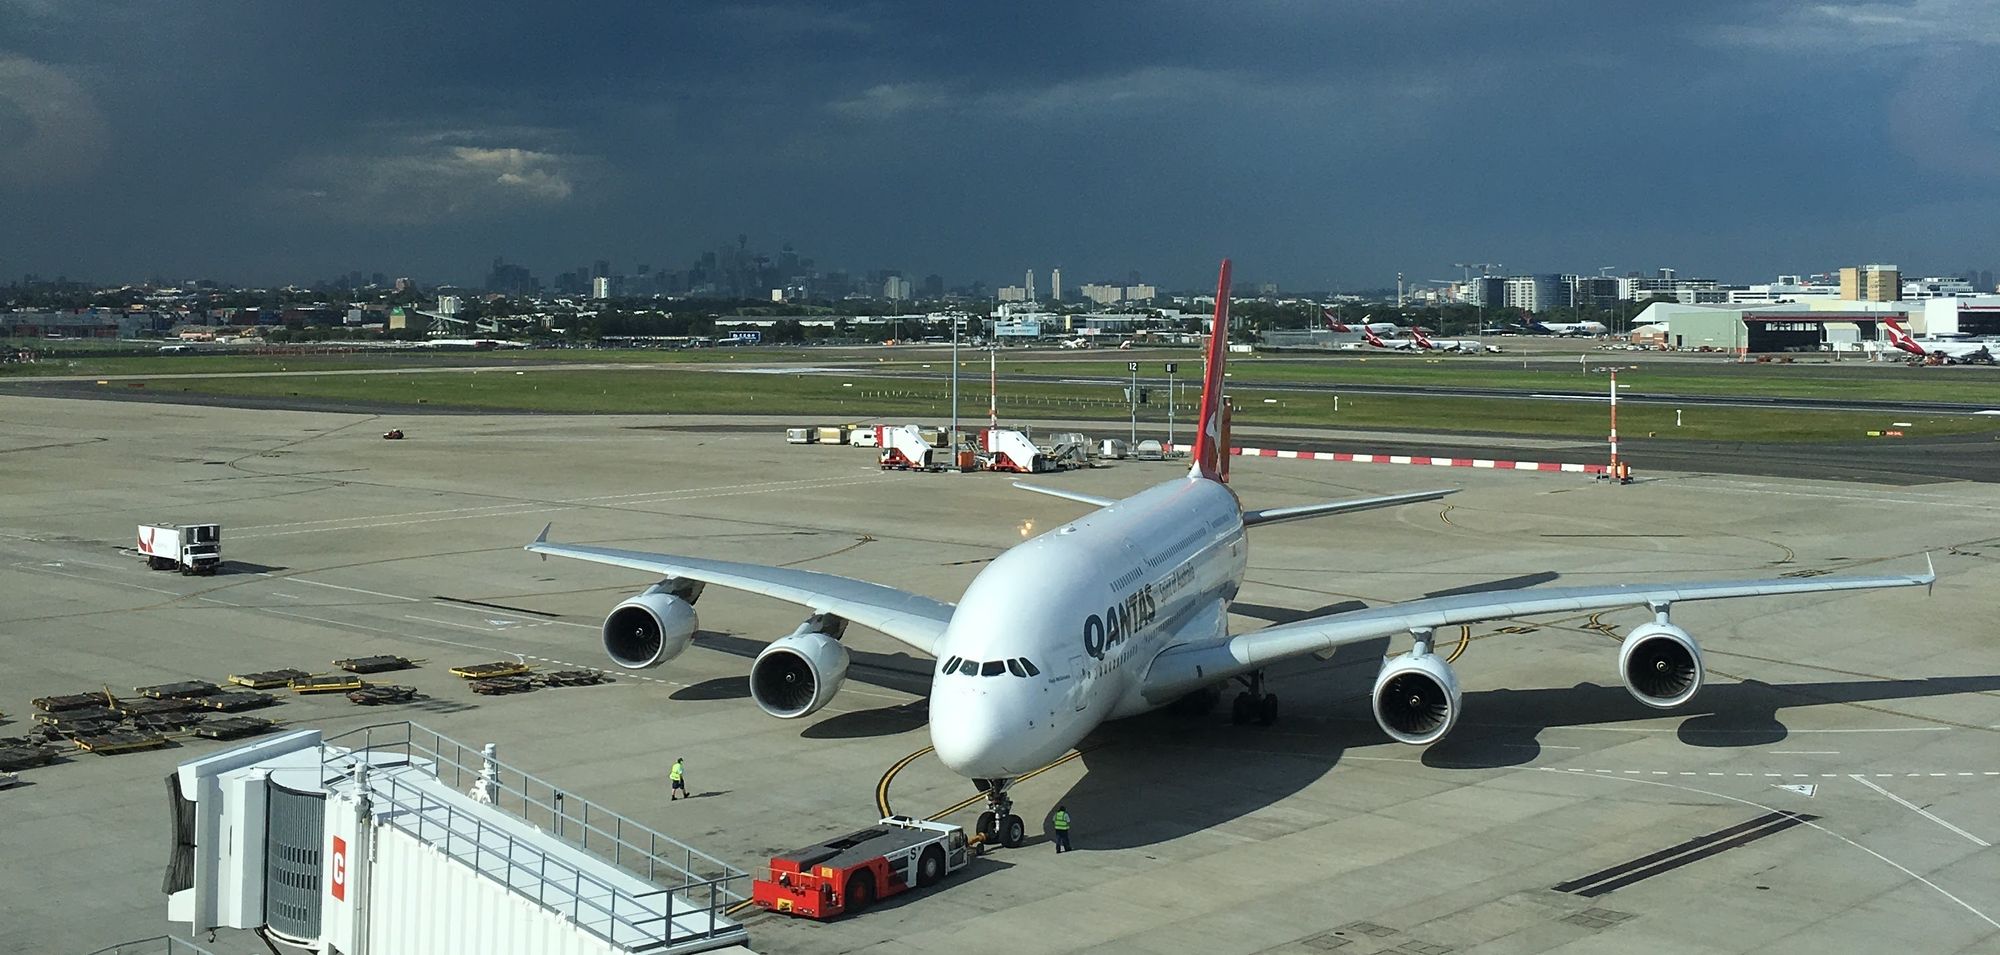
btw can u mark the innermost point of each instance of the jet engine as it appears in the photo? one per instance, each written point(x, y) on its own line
point(1661, 665)
point(797, 675)
point(648, 629)
point(1416, 698)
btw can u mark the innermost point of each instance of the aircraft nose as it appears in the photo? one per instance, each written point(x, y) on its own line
point(967, 734)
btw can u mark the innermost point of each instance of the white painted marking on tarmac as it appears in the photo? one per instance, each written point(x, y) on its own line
point(1816, 825)
point(1807, 790)
point(453, 623)
point(356, 590)
point(1921, 811)
point(1805, 752)
point(1668, 729)
point(97, 580)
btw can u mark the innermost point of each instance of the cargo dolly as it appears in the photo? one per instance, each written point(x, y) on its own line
point(849, 873)
point(268, 679)
point(337, 683)
point(376, 664)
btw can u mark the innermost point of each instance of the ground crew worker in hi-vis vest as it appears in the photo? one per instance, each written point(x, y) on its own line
point(1060, 823)
point(679, 777)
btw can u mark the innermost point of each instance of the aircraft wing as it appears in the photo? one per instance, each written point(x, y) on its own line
point(911, 618)
point(1182, 668)
point(1273, 515)
point(1068, 495)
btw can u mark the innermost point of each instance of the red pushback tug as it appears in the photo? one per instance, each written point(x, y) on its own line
point(847, 874)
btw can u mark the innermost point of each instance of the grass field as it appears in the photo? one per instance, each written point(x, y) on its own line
point(1867, 381)
point(1544, 373)
point(150, 362)
point(830, 398)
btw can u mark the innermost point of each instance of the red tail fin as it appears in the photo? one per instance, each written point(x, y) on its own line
point(1901, 339)
point(1211, 459)
point(1332, 322)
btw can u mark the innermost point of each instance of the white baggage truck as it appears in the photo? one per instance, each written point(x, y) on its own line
point(189, 548)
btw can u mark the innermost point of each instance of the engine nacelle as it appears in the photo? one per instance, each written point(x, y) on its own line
point(1661, 665)
point(648, 630)
point(1416, 698)
point(797, 675)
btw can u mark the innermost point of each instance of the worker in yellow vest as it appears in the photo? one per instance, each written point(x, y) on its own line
point(679, 777)
point(1060, 824)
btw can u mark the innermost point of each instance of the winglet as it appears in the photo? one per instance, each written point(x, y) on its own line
point(543, 537)
point(1930, 574)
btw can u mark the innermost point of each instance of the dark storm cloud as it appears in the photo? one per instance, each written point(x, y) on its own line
point(1317, 142)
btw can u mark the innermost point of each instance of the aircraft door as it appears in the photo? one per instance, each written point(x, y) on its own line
point(1081, 692)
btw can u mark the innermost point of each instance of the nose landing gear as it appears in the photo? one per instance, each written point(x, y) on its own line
point(998, 823)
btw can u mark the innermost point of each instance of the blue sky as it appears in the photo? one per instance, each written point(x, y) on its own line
point(1318, 143)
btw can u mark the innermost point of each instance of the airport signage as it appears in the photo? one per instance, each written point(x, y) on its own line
point(1131, 366)
point(1172, 367)
point(747, 337)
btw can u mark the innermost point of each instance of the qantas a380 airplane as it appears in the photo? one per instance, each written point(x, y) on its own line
point(1126, 610)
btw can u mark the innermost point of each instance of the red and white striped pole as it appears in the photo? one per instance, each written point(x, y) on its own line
point(1614, 423)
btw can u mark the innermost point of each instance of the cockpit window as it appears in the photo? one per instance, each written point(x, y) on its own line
point(968, 668)
point(1029, 666)
point(951, 665)
point(1014, 667)
point(993, 668)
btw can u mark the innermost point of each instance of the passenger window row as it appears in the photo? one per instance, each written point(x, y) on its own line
point(1019, 666)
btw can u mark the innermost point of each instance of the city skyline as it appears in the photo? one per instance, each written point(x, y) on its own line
point(1323, 146)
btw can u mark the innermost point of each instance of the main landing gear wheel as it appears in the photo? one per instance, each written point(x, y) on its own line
point(988, 825)
point(1253, 705)
point(1013, 832)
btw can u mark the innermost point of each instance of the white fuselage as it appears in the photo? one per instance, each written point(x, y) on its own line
point(1089, 605)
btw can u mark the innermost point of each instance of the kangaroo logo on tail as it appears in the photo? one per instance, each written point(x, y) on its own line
point(1332, 322)
point(1901, 339)
point(1211, 459)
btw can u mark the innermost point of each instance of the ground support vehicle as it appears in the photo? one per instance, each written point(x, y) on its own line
point(189, 548)
point(847, 874)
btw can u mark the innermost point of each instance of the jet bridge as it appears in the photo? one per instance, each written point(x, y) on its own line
point(394, 840)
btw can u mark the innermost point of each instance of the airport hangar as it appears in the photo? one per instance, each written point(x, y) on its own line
point(1828, 325)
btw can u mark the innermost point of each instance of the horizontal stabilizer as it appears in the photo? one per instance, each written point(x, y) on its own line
point(1077, 496)
point(1273, 515)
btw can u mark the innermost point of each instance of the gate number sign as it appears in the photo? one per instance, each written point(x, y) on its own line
point(339, 869)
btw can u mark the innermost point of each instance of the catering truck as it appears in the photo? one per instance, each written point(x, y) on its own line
point(189, 548)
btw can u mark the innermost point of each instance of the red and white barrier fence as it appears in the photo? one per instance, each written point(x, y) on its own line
point(1420, 459)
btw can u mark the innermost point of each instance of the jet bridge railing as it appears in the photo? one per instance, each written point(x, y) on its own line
point(626, 919)
point(158, 945)
point(631, 845)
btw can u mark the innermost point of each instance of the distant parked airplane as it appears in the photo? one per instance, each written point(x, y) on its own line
point(1947, 349)
point(1573, 328)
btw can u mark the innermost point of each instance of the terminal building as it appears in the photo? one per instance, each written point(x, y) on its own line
point(1838, 325)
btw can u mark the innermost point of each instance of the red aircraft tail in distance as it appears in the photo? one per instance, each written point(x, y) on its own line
point(1331, 322)
point(1368, 335)
point(1423, 341)
point(1901, 339)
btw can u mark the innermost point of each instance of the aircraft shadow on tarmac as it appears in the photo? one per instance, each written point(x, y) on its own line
point(1160, 777)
